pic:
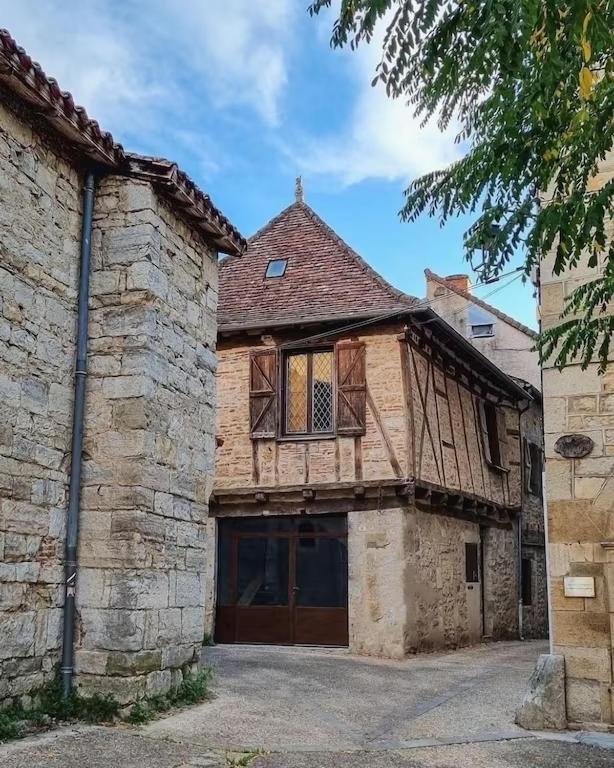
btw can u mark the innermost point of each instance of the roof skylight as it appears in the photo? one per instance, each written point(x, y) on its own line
point(276, 268)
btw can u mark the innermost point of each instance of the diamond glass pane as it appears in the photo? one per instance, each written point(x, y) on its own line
point(296, 405)
point(323, 392)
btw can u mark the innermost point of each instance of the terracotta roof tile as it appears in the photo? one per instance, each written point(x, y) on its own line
point(26, 78)
point(324, 277)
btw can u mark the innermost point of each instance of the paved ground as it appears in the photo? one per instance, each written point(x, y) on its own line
point(307, 708)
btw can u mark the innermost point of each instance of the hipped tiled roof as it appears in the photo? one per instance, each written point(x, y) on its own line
point(27, 80)
point(324, 279)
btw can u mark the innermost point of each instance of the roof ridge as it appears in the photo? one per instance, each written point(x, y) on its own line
point(481, 303)
point(364, 265)
point(271, 222)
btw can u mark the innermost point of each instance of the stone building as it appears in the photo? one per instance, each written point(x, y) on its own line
point(511, 346)
point(579, 427)
point(368, 469)
point(501, 338)
point(149, 414)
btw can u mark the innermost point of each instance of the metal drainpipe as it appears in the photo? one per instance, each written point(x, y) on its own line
point(74, 490)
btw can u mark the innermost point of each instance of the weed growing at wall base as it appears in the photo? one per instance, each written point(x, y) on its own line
point(192, 690)
point(51, 707)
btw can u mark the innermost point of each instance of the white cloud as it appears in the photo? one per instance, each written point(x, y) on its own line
point(124, 60)
point(382, 139)
point(152, 71)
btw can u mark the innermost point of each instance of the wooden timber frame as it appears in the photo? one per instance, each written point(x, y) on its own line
point(335, 498)
point(424, 333)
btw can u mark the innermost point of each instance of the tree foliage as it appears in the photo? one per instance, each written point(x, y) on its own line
point(528, 84)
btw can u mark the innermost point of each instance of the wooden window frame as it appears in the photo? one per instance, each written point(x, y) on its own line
point(472, 562)
point(534, 479)
point(526, 586)
point(494, 434)
point(309, 434)
point(478, 335)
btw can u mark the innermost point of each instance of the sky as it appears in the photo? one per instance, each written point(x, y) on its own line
point(245, 95)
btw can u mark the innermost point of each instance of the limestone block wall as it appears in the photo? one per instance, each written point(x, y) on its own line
point(407, 582)
point(149, 445)
point(149, 424)
point(40, 208)
point(580, 504)
point(500, 576)
point(443, 611)
point(377, 601)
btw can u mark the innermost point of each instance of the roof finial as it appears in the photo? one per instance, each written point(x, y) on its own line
point(298, 190)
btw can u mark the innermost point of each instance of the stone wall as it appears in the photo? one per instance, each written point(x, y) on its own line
point(407, 582)
point(40, 209)
point(509, 348)
point(580, 504)
point(377, 603)
point(149, 425)
point(500, 574)
point(534, 616)
point(149, 444)
point(443, 610)
point(240, 459)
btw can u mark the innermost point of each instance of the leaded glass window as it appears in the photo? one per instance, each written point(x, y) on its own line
point(309, 393)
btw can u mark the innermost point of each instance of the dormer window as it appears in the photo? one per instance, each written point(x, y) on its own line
point(482, 329)
point(276, 268)
point(481, 323)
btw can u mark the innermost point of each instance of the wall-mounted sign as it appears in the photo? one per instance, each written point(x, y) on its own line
point(579, 586)
point(574, 446)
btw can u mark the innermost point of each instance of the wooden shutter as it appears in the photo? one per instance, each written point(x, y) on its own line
point(351, 388)
point(526, 458)
point(263, 393)
point(502, 437)
point(484, 430)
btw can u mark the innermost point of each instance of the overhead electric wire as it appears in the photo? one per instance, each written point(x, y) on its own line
point(423, 304)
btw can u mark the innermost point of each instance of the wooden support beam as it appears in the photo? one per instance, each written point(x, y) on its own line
point(407, 490)
point(439, 497)
point(455, 501)
point(423, 495)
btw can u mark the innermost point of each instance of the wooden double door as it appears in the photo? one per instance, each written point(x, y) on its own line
point(283, 580)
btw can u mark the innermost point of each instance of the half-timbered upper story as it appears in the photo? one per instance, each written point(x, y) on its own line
point(334, 385)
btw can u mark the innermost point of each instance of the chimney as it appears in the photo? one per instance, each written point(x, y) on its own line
point(459, 282)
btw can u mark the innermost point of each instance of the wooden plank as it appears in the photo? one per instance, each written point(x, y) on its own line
point(392, 458)
point(458, 474)
point(255, 463)
point(478, 434)
point(443, 460)
point(342, 485)
point(357, 458)
point(462, 411)
point(425, 422)
point(410, 432)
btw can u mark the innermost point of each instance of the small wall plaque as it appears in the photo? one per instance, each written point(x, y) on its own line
point(579, 586)
point(574, 446)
